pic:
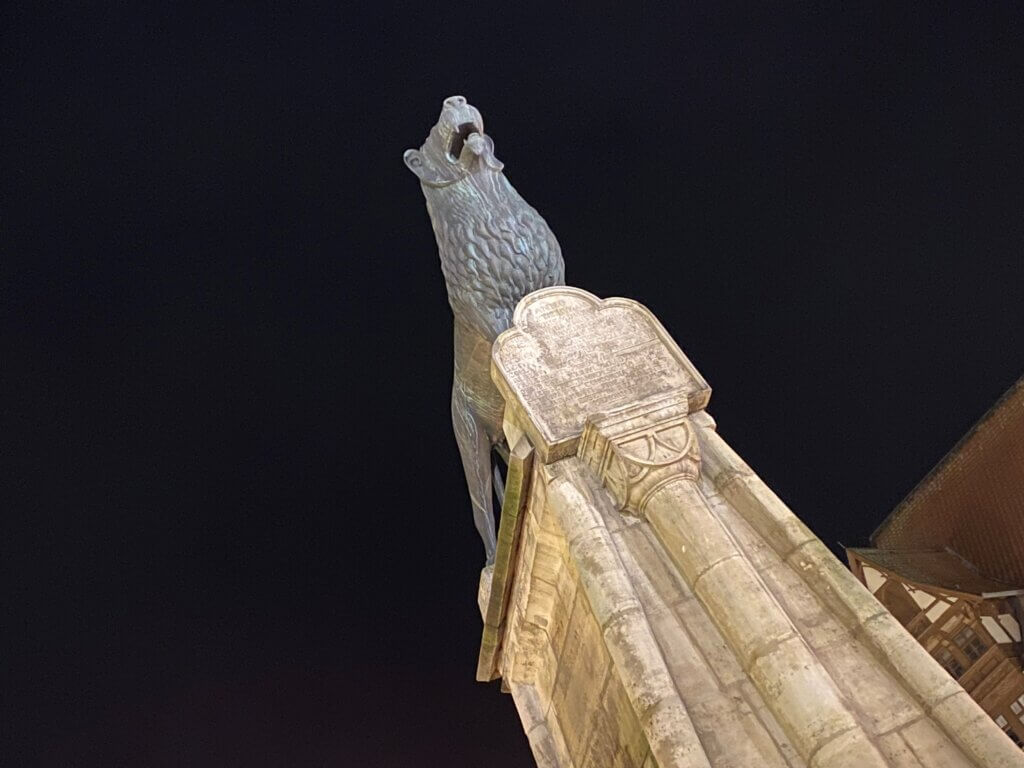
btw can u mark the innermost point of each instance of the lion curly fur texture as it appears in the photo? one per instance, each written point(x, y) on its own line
point(495, 248)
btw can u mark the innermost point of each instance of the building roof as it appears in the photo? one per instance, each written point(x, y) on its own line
point(943, 569)
point(973, 500)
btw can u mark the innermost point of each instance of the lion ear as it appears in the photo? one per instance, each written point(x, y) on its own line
point(428, 173)
point(414, 161)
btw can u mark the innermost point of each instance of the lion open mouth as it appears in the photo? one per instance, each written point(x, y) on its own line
point(459, 139)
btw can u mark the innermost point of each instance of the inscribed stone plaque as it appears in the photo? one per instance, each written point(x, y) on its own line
point(570, 354)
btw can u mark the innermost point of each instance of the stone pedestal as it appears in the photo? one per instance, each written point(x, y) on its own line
point(653, 603)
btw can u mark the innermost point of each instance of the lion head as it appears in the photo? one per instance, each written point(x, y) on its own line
point(456, 147)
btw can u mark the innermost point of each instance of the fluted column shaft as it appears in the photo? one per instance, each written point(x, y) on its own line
point(649, 458)
point(938, 693)
point(618, 611)
point(794, 684)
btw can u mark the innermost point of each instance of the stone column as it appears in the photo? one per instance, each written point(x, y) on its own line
point(629, 640)
point(708, 571)
point(647, 455)
point(938, 693)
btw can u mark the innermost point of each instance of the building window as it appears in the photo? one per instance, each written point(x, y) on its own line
point(950, 662)
point(1017, 707)
point(1005, 725)
point(969, 642)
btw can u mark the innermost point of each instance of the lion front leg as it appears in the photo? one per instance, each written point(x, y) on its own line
point(475, 450)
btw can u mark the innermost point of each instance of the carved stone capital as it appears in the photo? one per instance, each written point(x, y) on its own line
point(637, 450)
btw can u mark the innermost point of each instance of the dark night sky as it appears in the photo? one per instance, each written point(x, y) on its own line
point(234, 529)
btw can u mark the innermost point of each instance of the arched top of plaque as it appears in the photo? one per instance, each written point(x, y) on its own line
point(570, 355)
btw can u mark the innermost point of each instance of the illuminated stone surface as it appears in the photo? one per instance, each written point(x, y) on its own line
point(658, 604)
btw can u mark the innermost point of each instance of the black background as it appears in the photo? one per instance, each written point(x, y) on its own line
point(234, 528)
